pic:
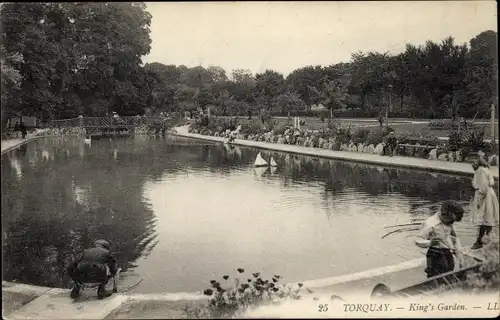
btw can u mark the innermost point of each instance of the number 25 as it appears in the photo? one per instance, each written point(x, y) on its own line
point(323, 308)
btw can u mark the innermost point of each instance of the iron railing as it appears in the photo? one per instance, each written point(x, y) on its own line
point(108, 122)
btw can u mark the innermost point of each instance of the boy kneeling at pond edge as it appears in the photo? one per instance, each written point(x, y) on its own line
point(438, 234)
point(96, 265)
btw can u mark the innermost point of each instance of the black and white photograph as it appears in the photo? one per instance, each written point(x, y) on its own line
point(267, 159)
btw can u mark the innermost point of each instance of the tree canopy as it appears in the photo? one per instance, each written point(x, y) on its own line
point(434, 80)
point(61, 60)
point(77, 58)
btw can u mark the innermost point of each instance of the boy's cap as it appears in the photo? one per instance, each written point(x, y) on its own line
point(453, 207)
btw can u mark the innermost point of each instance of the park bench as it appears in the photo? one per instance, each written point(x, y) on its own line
point(413, 148)
point(411, 145)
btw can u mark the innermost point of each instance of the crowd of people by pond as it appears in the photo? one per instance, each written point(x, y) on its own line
point(294, 136)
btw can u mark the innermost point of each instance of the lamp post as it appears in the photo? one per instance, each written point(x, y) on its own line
point(389, 105)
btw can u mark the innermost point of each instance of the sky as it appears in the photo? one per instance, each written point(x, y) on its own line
point(284, 36)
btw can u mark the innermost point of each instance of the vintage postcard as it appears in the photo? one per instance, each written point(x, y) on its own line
point(207, 160)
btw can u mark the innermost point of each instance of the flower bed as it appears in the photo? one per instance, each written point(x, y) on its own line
point(230, 298)
point(341, 138)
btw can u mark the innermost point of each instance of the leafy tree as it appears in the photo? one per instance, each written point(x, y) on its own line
point(218, 74)
point(78, 57)
point(288, 102)
point(482, 77)
point(306, 81)
point(11, 78)
point(269, 85)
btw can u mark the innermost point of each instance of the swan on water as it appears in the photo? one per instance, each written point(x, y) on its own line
point(88, 139)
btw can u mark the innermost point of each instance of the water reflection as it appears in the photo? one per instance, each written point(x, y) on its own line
point(179, 211)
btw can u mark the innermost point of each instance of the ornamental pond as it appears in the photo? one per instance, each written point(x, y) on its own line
point(180, 212)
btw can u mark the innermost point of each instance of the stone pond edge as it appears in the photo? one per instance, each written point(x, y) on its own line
point(419, 164)
point(20, 143)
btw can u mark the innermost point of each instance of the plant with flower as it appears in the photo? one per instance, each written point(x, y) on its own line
point(228, 300)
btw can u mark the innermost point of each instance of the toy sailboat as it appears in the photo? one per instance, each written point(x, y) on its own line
point(273, 170)
point(273, 163)
point(260, 162)
point(259, 171)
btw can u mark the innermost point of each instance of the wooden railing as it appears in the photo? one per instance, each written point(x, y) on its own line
point(108, 122)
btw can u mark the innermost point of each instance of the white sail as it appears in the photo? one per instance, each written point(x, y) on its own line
point(259, 171)
point(273, 163)
point(259, 161)
point(273, 170)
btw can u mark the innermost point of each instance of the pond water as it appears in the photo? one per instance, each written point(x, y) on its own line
point(181, 212)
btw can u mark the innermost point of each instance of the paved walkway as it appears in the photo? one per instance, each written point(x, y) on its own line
point(404, 162)
point(9, 144)
point(32, 302)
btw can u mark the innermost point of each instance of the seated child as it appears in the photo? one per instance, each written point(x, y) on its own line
point(438, 234)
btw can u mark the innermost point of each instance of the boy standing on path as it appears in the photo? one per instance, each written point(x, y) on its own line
point(438, 234)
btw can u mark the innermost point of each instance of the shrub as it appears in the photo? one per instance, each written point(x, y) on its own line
point(281, 128)
point(388, 129)
point(488, 275)
point(326, 133)
point(422, 138)
point(344, 134)
point(455, 141)
point(474, 140)
point(490, 148)
point(229, 301)
point(271, 124)
point(360, 135)
point(443, 124)
point(144, 129)
point(375, 137)
point(194, 126)
point(333, 125)
point(62, 131)
point(252, 127)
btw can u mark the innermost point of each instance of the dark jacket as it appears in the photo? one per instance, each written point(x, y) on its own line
point(98, 255)
point(92, 258)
